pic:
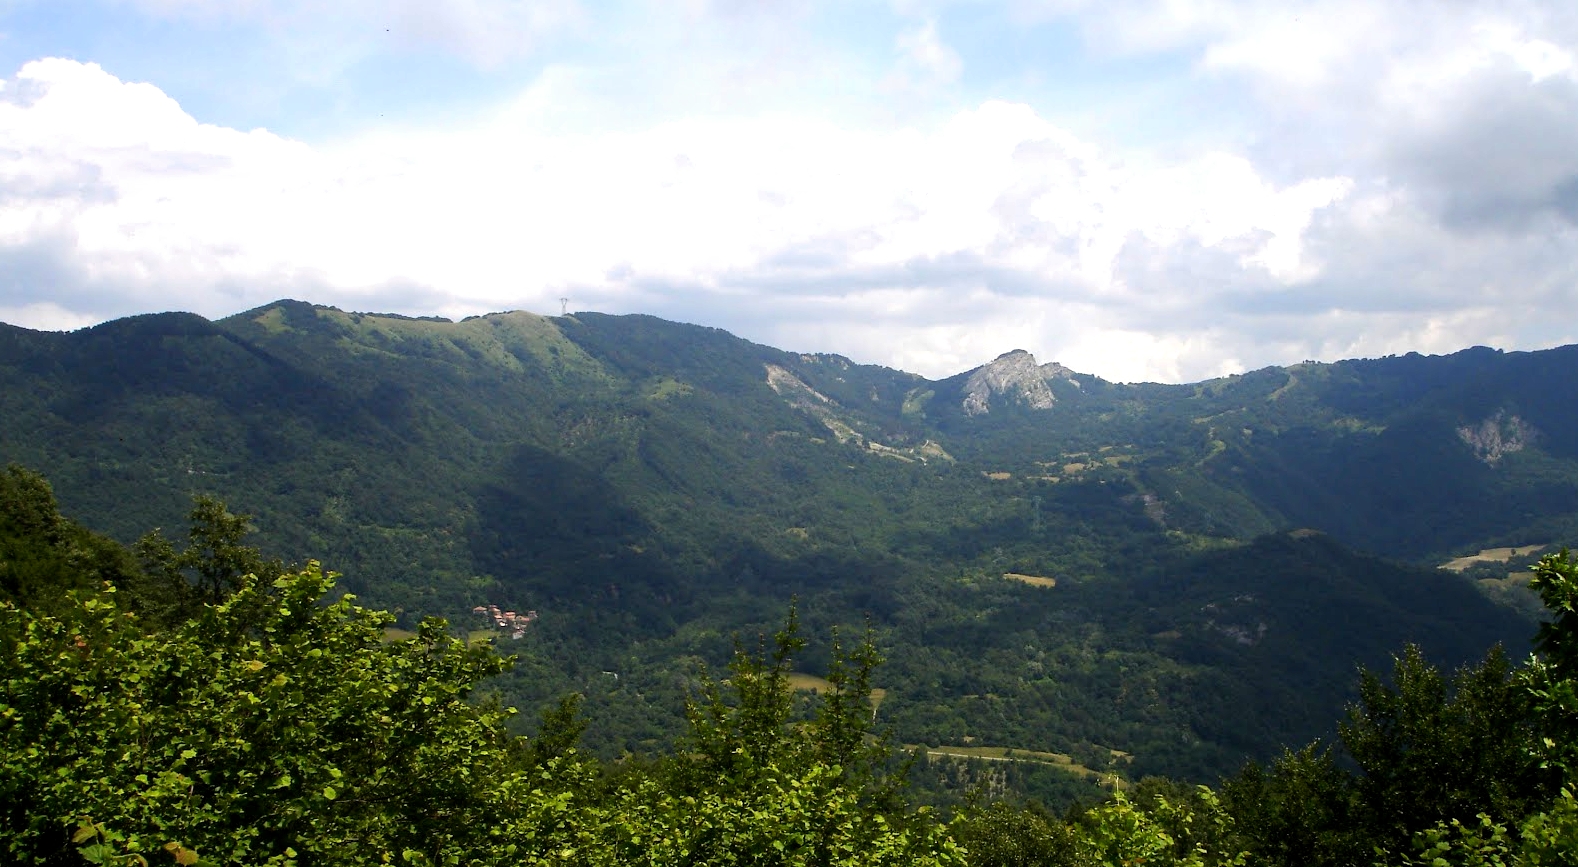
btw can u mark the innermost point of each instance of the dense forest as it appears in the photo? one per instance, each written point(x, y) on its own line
point(1074, 583)
point(189, 701)
point(638, 576)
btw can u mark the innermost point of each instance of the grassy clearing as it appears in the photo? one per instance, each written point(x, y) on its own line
point(1075, 464)
point(802, 682)
point(495, 339)
point(1033, 580)
point(808, 682)
point(666, 387)
point(1293, 380)
point(929, 449)
point(1490, 555)
point(1005, 754)
point(1037, 757)
point(395, 633)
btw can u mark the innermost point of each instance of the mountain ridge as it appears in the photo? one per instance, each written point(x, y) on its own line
point(1053, 368)
point(647, 486)
point(1358, 404)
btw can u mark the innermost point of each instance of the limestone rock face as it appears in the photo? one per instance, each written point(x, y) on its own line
point(1498, 435)
point(1014, 376)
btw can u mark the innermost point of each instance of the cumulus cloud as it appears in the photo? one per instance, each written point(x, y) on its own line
point(931, 247)
point(1473, 106)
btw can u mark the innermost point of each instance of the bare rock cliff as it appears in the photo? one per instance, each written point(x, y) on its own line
point(1498, 435)
point(1015, 376)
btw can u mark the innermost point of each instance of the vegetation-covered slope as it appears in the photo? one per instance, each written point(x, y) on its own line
point(271, 724)
point(649, 488)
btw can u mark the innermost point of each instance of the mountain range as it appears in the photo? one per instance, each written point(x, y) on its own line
point(1138, 578)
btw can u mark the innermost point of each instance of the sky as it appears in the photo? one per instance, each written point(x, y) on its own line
point(1144, 190)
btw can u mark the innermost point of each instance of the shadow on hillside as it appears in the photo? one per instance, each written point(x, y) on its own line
point(561, 535)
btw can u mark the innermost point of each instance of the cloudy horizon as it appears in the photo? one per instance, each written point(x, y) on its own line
point(1163, 190)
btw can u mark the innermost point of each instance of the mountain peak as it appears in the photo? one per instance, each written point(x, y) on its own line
point(1016, 376)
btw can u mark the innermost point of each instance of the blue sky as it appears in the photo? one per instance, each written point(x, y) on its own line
point(1141, 189)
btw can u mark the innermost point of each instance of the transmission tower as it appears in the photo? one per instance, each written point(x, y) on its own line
point(564, 306)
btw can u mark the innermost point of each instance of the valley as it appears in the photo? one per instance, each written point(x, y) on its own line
point(1047, 561)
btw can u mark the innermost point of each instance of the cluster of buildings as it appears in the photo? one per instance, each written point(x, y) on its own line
point(506, 620)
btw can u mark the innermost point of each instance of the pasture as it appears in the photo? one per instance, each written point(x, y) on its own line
point(802, 682)
point(1490, 555)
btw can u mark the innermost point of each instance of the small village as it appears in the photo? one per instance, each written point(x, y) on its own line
point(516, 623)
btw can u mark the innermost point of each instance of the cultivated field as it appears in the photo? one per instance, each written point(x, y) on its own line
point(811, 683)
point(1009, 754)
point(1490, 555)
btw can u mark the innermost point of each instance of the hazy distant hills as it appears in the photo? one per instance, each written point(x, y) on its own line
point(650, 487)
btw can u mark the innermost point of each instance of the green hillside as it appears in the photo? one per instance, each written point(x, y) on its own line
point(651, 488)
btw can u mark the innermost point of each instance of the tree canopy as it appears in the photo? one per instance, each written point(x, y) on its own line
point(240, 712)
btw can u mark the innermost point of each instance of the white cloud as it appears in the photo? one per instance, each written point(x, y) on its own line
point(997, 202)
point(43, 316)
point(931, 248)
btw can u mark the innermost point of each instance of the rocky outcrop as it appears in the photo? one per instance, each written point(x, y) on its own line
point(803, 397)
point(793, 388)
point(1500, 434)
point(800, 395)
point(1016, 377)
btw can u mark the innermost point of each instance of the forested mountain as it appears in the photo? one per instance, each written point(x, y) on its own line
point(198, 704)
point(1147, 578)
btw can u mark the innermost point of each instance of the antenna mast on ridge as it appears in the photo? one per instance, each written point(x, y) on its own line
point(564, 306)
